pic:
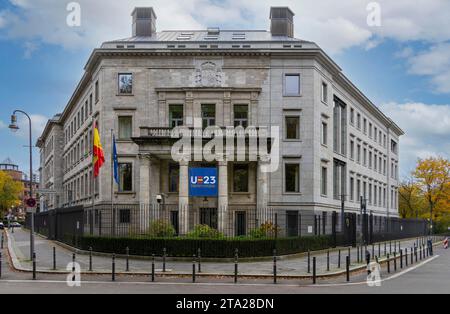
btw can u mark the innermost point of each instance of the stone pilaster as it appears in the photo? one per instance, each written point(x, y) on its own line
point(183, 202)
point(223, 195)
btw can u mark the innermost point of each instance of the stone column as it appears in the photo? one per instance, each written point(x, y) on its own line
point(262, 183)
point(223, 196)
point(144, 190)
point(183, 201)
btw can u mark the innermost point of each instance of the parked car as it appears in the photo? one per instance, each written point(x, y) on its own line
point(15, 225)
point(2, 226)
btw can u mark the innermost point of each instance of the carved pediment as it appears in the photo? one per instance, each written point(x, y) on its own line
point(209, 74)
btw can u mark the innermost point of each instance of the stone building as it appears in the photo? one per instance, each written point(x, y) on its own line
point(334, 142)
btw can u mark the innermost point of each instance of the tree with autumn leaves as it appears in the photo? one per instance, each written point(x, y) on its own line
point(10, 192)
point(426, 194)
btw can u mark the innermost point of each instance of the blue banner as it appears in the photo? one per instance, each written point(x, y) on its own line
point(203, 182)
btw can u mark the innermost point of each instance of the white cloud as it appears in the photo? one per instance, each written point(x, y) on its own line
point(30, 48)
point(427, 129)
point(2, 125)
point(38, 123)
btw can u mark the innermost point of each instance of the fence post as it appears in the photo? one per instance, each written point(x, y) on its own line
point(388, 264)
point(385, 250)
point(127, 251)
point(390, 247)
point(401, 259)
point(328, 260)
point(415, 253)
point(164, 259)
point(275, 266)
point(395, 261)
point(73, 266)
point(412, 256)
point(309, 262)
point(347, 268)
point(339, 260)
point(314, 270)
point(90, 258)
point(199, 260)
point(420, 252)
point(54, 258)
point(236, 266)
point(34, 266)
point(193, 268)
point(113, 267)
point(153, 267)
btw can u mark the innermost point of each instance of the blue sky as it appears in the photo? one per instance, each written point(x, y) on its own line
point(403, 65)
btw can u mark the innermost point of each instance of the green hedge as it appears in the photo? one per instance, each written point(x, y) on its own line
point(217, 248)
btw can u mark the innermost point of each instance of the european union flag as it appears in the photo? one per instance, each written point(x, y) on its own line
point(115, 161)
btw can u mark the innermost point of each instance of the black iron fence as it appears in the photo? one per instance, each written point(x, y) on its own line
point(68, 225)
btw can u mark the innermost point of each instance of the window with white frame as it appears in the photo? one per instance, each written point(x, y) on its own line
point(292, 84)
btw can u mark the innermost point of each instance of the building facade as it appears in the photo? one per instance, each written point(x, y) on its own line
point(333, 142)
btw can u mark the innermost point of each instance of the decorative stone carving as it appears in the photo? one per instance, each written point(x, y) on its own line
point(209, 74)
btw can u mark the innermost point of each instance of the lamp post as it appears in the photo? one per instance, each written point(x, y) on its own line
point(14, 128)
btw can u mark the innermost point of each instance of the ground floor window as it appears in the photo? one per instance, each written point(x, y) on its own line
point(174, 178)
point(241, 224)
point(292, 178)
point(240, 178)
point(125, 177)
point(208, 217)
point(125, 216)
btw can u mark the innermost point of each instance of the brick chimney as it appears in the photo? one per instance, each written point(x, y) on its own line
point(144, 22)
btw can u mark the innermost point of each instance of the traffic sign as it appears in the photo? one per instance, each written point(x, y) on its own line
point(31, 202)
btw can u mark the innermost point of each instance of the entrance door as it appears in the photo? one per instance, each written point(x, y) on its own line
point(241, 224)
point(292, 223)
point(208, 216)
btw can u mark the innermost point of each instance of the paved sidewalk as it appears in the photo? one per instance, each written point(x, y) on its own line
point(19, 242)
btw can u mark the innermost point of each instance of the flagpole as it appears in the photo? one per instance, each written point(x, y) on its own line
point(112, 185)
point(92, 177)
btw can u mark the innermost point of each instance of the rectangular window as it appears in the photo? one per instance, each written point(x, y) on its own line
point(352, 150)
point(352, 189)
point(340, 127)
point(394, 146)
point(240, 178)
point(324, 92)
point(125, 128)
point(176, 115)
point(292, 85)
point(352, 116)
point(339, 179)
point(324, 183)
point(125, 177)
point(370, 130)
point(292, 178)
point(365, 157)
point(358, 154)
point(241, 116)
point(208, 115)
point(124, 216)
point(174, 178)
point(358, 121)
point(375, 134)
point(292, 128)
point(324, 134)
point(358, 189)
point(370, 160)
point(97, 92)
point(365, 126)
point(125, 83)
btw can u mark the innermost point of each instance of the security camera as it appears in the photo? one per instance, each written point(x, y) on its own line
point(159, 198)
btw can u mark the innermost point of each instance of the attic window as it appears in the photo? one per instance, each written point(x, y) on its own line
point(120, 46)
point(170, 46)
point(214, 46)
point(246, 46)
point(236, 46)
point(184, 37)
point(287, 46)
point(181, 46)
point(131, 47)
point(238, 36)
point(211, 37)
point(203, 46)
point(298, 46)
point(187, 34)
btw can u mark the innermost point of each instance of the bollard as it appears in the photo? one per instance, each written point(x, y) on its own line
point(395, 261)
point(90, 259)
point(275, 266)
point(54, 258)
point(314, 271)
point(420, 252)
point(339, 260)
point(401, 259)
point(406, 257)
point(193, 269)
point(199, 252)
point(347, 268)
point(388, 264)
point(127, 252)
point(328, 260)
point(379, 249)
point(357, 253)
point(415, 253)
point(73, 266)
point(309, 262)
point(34, 266)
point(153, 267)
point(113, 267)
point(373, 250)
point(350, 254)
point(236, 261)
point(412, 256)
point(390, 247)
point(385, 250)
point(164, 259)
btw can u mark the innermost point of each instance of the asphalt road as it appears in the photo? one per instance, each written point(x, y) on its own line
point(429, 277)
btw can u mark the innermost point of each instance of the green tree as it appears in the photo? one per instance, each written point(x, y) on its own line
point(10, 192)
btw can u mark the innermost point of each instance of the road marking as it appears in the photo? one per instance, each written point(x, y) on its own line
point(382, 280)
point(222, 284)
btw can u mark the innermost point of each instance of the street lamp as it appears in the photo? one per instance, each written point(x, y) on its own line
point(14, 128)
